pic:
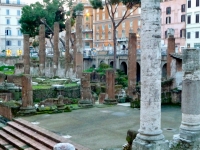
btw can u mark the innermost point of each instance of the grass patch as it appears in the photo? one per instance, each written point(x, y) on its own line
point(36, 87)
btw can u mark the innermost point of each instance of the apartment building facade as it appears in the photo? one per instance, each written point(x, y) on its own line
point(10, 35)
point(103, 29)
point(173, 15)
point(193, 24)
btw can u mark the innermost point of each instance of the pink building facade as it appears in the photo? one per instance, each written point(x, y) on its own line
point(174, 16)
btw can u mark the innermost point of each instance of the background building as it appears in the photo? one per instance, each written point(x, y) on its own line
point(103, 29)
point(10, 35)
point(173, 15)
point(193, 23)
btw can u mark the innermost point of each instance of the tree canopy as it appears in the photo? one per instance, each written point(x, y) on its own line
point(47, 13)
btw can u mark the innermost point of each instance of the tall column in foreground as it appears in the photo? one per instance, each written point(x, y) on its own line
point(150, 135)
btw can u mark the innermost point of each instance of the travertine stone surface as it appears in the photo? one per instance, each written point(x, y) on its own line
point(56, 53)
point(132, 66)
point(79, 44)
point(42, 53)
point(26, 54)
point(150, 135)
point(170, 49)
point(190, 125)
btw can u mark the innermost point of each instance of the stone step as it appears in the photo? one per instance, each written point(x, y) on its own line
point(26, 139)
point(10, 139)
point(33, 134)
point(41, 131)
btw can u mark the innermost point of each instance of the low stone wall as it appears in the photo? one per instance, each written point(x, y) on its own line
point(42, 94)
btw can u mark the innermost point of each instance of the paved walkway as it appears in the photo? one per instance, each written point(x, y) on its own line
point(103, 127)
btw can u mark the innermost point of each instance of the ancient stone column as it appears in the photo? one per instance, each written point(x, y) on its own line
point(79, 44)
point(150, 135)
point(132, 64)
point(74, 52)
point(86, 95)
point(110, 87)
point(67, 49)
point(56, 49)
point(27, 94)
point(42, 54)
point(190, 125)
point(26, 54)
point(170, 50)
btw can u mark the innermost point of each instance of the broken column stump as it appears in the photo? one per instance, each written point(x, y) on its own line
point(86, 95)
point(110, 88)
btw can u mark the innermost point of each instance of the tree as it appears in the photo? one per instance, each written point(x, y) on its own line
point(111, 7)
point(46, 13)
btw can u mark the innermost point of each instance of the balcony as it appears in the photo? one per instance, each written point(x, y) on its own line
point(87, 39)
point(122, 39)
point(87, 30)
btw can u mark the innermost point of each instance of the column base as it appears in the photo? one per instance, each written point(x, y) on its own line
point(85, 103)
point(27, 110)
point(110, 101)
point(182, 144)
point(139, 144)
point(190, 135)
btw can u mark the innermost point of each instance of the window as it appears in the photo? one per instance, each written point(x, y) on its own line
point(131, 11)
point(197, 18)
point(188, 35)
point(103, 36)
point(183, 8)
point(109, 26)
point(123, 33)
point(103, 27)
point(7, 32)
point(168, 10)
point(18, 1)
point(131, 23)
point(87, 18)
point(196, 45)
point(7, 12)
point(168, 20)
point(182, 18)
point(103, 16)
point(182, 33)
point(165, 34)
point(189, 3)
point(87, 44)
point(97, 28)
point(19, 43)
point(197, 3)
point(97, 17)
point(18, 22)
point(7, 21)
point(116, 14)
point(19, 32)
point(188, 19)
point(123, 24)
point(8, 43)
point(109, 35)
point(87, 36)
point(197, 34)
point(123, 13)
point(138, 22)
point(116, 34)
point(97, 36)
point(18, 13)
point(7, 2)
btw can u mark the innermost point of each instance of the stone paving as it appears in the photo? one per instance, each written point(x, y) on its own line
point(104, 127)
